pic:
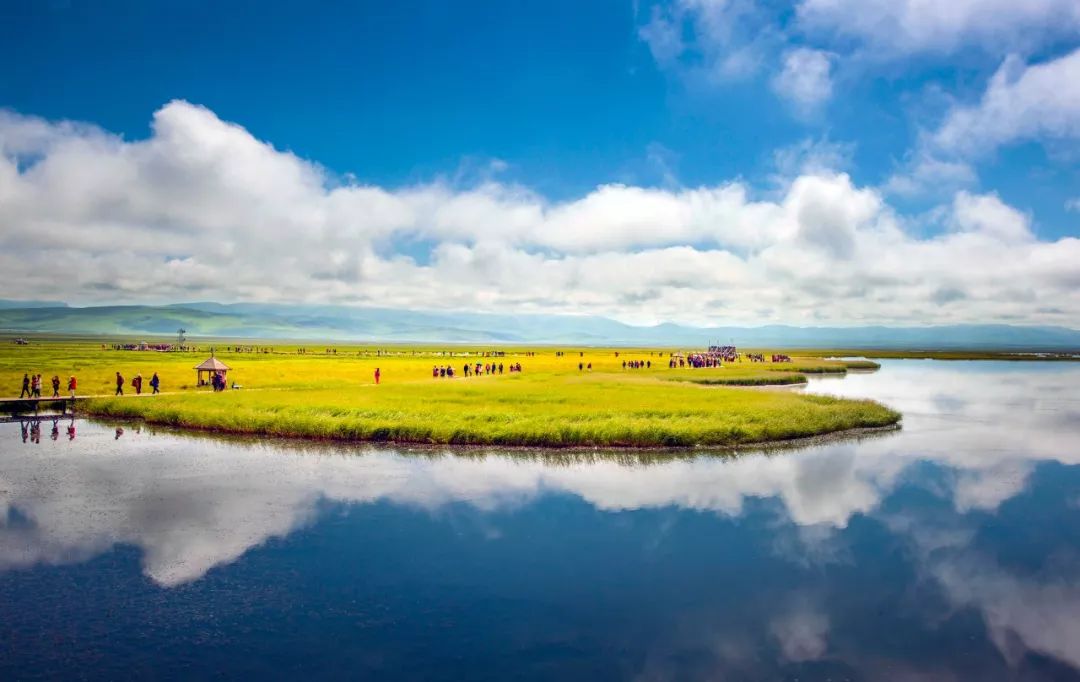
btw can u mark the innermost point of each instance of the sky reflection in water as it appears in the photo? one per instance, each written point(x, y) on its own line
point(947, 549)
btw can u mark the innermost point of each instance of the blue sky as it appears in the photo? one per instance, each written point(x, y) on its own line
point(546, 103)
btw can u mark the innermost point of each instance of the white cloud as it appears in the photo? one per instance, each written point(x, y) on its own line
point(888, 29)
point(203, 210)
point(990, 216)
point(721, 40)
point(923, 173)
point(812, 157)
point(805, 79)
point(1022, 102)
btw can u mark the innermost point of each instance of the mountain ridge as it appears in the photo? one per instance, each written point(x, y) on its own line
point(341, 323)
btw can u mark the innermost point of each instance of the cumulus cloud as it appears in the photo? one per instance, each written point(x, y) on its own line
point(805, 79)
point(203, 210)
point(990, 216)
point(898, 28)
point(1022, 102)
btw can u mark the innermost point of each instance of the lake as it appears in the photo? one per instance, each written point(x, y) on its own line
point(947, 550)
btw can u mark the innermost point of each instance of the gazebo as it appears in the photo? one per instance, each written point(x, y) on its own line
point(211, 366)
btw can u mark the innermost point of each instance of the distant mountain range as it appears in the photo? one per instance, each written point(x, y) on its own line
point(341, 323)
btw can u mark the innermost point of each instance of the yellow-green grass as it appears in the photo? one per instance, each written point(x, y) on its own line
point(552, 403)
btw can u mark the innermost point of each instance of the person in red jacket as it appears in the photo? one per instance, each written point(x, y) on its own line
point(378, 375)
point(71, 385)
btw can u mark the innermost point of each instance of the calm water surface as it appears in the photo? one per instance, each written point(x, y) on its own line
point(948, 550)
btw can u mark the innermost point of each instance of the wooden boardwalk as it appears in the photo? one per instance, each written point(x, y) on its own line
point(35, 405)
point(65, 404)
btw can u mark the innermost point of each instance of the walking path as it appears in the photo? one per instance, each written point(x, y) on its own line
point(13, 405)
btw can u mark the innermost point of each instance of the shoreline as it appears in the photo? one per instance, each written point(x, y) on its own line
point(794, 442)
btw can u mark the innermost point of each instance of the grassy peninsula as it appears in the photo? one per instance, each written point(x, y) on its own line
point(329, 393)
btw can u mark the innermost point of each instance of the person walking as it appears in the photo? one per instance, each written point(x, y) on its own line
point(155, 383)
point(55, 386)
point(35, 385)
point(119, 384)
point(71, 385)
point(378, 375)
point(136, 383)
point(26, 387)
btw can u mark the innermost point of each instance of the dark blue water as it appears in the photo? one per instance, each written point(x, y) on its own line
point(949, 550)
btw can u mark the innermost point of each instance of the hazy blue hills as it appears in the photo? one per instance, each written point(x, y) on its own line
point(6, 303)
point(280, 321)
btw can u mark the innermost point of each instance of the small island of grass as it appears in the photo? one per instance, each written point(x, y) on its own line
point(331, 394)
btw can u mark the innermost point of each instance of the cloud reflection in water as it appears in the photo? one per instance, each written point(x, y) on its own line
point(191, 504)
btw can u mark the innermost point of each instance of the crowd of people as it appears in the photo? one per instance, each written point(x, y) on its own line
point(702, 360)
point(715, 356)
point(217, 381)
point(137, 383)
point(724, 353)
point(252, 349)
point(471, 369)
point(160, 347)
point(34, 384)
point(31, 386)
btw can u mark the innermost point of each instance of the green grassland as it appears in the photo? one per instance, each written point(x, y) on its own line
point(551, 403)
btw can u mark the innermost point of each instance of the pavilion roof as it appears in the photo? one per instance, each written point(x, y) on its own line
point(212, 364)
